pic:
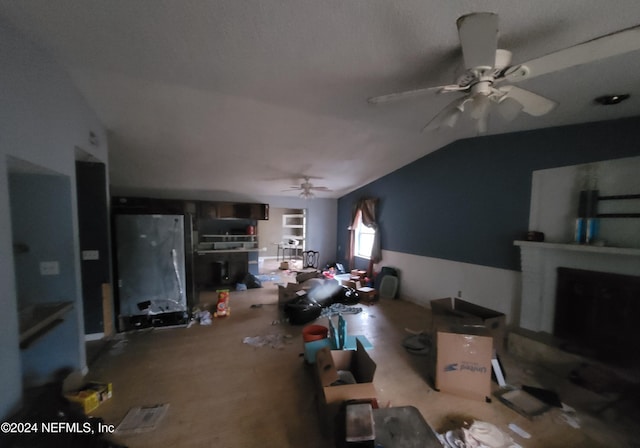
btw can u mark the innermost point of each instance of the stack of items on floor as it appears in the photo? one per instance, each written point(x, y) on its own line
point(303, 302)
point(344, 374)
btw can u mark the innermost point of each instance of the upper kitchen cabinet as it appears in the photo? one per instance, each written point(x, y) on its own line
point(136, 205)
point(234, 210)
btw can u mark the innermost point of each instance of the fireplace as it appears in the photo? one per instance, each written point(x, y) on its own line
point(540, 263)
point(597, 313)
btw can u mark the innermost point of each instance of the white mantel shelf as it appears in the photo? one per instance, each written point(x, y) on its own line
point(580, 248)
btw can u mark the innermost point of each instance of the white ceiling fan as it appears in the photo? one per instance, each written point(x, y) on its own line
point(487, 67)
point(307, 189)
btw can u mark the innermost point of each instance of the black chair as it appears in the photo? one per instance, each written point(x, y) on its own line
point(310, 259)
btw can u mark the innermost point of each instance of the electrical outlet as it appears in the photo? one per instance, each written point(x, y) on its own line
point(459, 294)
point(49, 268)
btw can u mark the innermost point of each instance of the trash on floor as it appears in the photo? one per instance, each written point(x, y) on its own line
point(269, 278)
point(142, 419)
point(90, 396)
point(479, 434)
point(522, 402)
point(518, 430)
point(568, 416)
point(339, 308)
point(276, 341)
point(417, 344)
point(203, 317)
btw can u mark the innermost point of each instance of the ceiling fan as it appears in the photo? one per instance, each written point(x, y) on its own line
point(307, 189)
point(486, 67)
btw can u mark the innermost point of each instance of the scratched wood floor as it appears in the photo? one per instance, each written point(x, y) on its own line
point(223, 393)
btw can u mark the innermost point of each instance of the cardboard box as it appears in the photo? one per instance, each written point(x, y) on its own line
point(351, 284)
point(90, 396)
point(463, 362)
point(367, 294)
point(331, 397)
point(454, 311)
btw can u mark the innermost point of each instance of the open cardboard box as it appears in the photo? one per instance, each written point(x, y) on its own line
point(463, 361)
point(328, 362)
point(455, 311)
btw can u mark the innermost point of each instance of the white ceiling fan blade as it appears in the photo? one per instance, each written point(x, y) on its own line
point(412, 93)
point(602, 47)
point(320, 189)
point(509, 108)
point(478, 34)
point(532, 103)
point(447, 116)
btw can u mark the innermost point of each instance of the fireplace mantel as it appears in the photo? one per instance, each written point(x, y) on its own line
point(539, 270)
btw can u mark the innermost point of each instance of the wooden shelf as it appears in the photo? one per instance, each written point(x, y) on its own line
point(619, 197)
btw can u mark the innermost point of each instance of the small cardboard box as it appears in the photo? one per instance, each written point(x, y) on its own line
point(90, 396)
point(367, 294)
point(331, 397)
point(454, 311)
point(463, 362)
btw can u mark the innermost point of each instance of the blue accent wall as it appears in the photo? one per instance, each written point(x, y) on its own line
point(469, 201)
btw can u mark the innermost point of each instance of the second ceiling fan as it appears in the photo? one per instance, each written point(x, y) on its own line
point(306, 188)
point(487, 67)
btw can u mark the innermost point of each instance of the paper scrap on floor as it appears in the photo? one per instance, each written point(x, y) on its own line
point(142, 419)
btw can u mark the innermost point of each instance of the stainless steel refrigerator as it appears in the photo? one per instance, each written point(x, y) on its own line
point(151, 270)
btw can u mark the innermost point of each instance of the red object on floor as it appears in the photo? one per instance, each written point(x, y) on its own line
point(314, 333)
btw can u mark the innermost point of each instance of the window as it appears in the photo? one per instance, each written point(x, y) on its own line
point(364, 239)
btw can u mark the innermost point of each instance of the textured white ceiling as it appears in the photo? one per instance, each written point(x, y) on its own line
point(248, 95)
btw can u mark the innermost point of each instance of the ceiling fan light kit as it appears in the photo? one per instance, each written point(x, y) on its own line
point(487, 66)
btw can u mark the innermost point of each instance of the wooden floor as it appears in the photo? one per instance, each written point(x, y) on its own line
point(224, 393)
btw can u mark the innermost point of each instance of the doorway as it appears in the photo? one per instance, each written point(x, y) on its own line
point(284, 226)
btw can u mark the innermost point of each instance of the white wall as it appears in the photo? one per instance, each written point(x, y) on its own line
point(554, 200)
point(423, 279)
point(43, 119)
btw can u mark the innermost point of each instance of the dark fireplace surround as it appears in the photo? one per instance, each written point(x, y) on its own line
point(598, 314)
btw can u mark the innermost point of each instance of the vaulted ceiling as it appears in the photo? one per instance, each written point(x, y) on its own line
point(249, 95)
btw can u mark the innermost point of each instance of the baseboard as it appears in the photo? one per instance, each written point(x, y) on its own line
point(93, 337)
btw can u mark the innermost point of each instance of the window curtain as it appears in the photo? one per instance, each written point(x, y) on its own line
point(365, 209)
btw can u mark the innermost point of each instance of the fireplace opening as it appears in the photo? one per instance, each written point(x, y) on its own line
point(598, 314)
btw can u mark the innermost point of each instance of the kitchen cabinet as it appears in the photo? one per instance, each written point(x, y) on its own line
point(234, 210)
